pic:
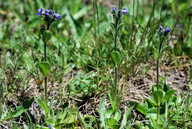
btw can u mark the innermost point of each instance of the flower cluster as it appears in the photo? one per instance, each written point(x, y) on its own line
point(49, 16)
point(48, 13)
point(162, 31)
point(118, 13)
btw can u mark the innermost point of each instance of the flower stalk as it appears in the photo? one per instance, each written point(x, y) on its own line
point(162, 33)
point(117, 15)
point(49, 16)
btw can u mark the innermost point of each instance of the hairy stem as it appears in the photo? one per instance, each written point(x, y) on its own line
point(116, 69)
point(45, 59)
point(158, 58)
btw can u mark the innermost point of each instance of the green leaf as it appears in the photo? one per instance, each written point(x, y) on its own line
point(108, 112)
point(158, 96)
point(140, 108)
point(166, 87)
point(46, 36)
point(162, 50)
point(117, 115)
point(154, 88)
point(45, 68)
point(102, 113)
point(71, 117)
point(19, 110)
point(27, 104)
point(113, 123)
point(169, 94)
point(49, 121)
point(117, 102)
point(126, 118)
point(156, 52)
point(116, 58)
point(149, 103)
point(152, 113)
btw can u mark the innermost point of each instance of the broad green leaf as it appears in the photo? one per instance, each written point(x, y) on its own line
point(27, 104)
point(126, 118)
point(154, 88)
point(158, 96)
point(44, 68)
point(116, 58)
point(113, 123)
point(141, 108)
point(108, 112)
point(117, 115)
point(46, 36)
point(152, 113)
point(102, 113)
point(169, 94)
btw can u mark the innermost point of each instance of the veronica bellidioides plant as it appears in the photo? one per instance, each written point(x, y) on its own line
point(115, 55)
point(156, 108)
point(162, 34)
point(111, 116)
point(49, 17)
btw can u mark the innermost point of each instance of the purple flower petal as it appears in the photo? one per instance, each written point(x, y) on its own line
point(57, 15)
point(47, 14)
point(114, 9)
point(167, 29)
point(39, 11)
point(161, 27)
point(124, 11)
point(51, 126)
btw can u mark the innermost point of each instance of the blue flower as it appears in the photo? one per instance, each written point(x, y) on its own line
point(57, 15)
point(160, 27)
point(48, 15)
point(114, 9)
point(39, 11)
point(124, 11)
point(163, 31)
point(46, 12)
point(51, 126)
point(167, 29)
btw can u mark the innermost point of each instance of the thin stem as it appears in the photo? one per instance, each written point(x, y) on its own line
point(158, 111)
point(116, 69)
point(116, 27)
point(158, 58)
point(45, 59)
